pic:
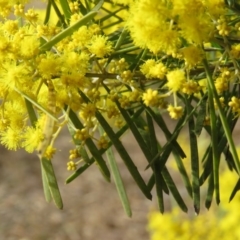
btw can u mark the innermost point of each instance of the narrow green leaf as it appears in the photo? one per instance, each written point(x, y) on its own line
point(183, 173)
point(208, 166)
point(118, 134)
point(124, 155)
point(111, 14)
point(201, 117)
point(210, 192)
point(139, 59)
point(59, 14)
point(235, 190)
point(66, 9)
point(156, 165)
point(98, 6)
point(52, 182)
point(36, 104)
point(46, 189)
point(90, 144)
point(83, 153)
point(162, 125)
point(194, 160)
point(214, 144)
point(121, 38)
point(125, 50)
point(68, 31)
point(121, 150)
point(173, 189)
point(48, 12)
point(79, 171)
point(151, 182)
point(222, 117)
point(167, 148)
point(31, 112)
point(118, 182)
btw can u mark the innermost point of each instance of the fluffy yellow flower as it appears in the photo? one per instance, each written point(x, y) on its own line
point(192, 55)
point(175, 112)
point(153, 69)
point(151, 98)
point(175, 78)
point(100, 46)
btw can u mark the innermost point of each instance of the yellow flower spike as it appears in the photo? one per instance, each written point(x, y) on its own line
point(18, 10)
point(82, 134)
point(124, 101)
point(126, 75)
point(11, 138)
point(74, 6)
point(192, 55)
point(151, 98)
point(31, 16)
point(190, 87)
point(32, 138)
point(50, 151)
point(100, 46)
point(88, 111)
point(235, 51)
point(175, 112)
point(221, 84)
point(153, 69)
point(10, 26)
point(175, 78)
point(112, 111)
point(73, 154)
point(235, 105)
point(102, 142)
point(71, 166)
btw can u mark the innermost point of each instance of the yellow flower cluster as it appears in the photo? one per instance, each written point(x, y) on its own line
point(173, 37)
point(219, 222)
point(71, 166)
point(235, 105)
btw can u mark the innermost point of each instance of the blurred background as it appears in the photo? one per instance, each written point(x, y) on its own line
point(92, 209)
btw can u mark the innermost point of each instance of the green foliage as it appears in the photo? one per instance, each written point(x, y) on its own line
point(107, 67)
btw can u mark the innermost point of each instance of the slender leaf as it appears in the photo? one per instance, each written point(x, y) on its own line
point(194, 160)
point(52, 182)
point(156, 168)
point(91, 146)
point(46, 189)
point(201, 117)
point(173, 189)
point(161, 123)
point(210, 192)
point(222, 116)
point(79, 171)
point(92, 160)
point(118, 182)
point(183, 173)
point(31, 113)
point(214, 143)
point(68, 31)
point(48, 12)
point(37, 105)
point(235, 190)
point(66, 9)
